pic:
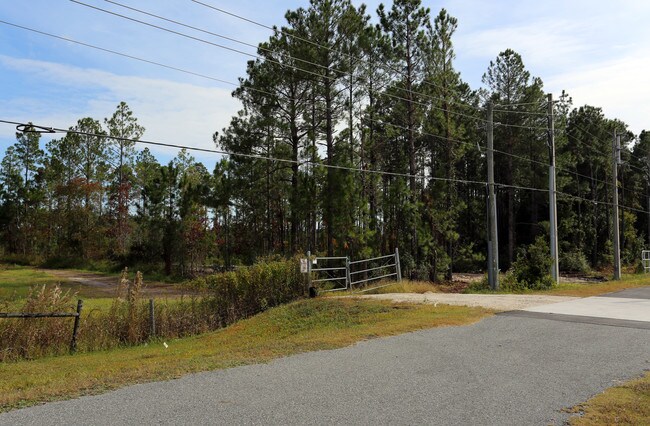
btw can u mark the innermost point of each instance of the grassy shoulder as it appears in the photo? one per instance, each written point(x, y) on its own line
point(627, 404)
point(577, 289)
point(307, 325)
point(595, 289)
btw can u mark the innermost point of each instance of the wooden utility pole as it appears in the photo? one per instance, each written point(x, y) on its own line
point(493, 240)
point(617, 244)
point(552, 195)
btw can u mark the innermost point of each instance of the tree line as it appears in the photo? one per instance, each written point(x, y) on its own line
point(356, 136)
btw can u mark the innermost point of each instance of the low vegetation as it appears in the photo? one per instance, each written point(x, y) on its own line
point(219, 300)
point(306, 325)
point(627, 404)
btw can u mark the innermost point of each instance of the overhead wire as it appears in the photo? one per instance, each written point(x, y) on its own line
point(136, 58)
point(315, 163)
point(275, 29)
point(291, 57)
point(132, 57)
point(234, 84)
point(251, 55)
point(311, 42)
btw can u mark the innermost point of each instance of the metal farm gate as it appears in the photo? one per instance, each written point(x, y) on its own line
point(339, 273)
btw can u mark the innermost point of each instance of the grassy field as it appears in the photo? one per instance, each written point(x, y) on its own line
point(15, 281)
point(306, 325)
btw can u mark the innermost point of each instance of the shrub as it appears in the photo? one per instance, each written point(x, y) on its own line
point(531, 269)
point(247, 291)
point(573, 261)
point(467, 260)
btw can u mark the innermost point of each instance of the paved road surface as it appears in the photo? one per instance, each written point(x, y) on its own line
point(505, 370)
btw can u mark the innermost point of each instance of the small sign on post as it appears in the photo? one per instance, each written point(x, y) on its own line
point(303, 266)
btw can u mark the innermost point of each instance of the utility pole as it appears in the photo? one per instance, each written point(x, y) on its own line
point(617, 246)
point(552, 195)
point(493, 240)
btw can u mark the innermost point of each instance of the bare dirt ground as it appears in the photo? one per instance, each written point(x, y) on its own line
point(103, 285)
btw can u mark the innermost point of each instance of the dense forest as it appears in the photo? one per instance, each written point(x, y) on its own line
point(357, 135)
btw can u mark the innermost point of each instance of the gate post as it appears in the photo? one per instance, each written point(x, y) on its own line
point(309, 272)
point(348, 277)
point(397, 265)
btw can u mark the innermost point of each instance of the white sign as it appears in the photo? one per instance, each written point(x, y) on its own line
point(303, 266)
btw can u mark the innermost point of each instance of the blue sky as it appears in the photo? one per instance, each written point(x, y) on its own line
point(598, 51)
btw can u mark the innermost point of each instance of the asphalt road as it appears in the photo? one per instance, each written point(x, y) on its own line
point(505, 370)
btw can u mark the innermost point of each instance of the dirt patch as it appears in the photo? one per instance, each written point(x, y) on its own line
point(103, 285)
point(467, 277)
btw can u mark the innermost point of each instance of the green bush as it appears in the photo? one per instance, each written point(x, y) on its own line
point(249, 290)
point(468, 260)
point(573, 261)
point(531, 269)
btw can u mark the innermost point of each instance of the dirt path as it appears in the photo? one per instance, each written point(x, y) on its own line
point(499, 302)
point(105, 285)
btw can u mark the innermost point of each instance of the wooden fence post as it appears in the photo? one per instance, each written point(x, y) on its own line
point(152, 319)
point(75, 329)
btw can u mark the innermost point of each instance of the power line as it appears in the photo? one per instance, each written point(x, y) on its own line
point(125, 55)
point(441, 138)
point(296, 68)
point(264, 49)
point(437, 137)
point(136, 58)
point(542, 103)
point(276, 30)
point(315, 163)
point(313, 43)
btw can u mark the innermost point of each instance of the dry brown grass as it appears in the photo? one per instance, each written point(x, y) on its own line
point(37, 337)
point(628, 404)
point(595, 289)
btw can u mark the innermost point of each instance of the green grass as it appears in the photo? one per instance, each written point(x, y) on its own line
point(627, 404)
point(307, 325)
point(16, 281)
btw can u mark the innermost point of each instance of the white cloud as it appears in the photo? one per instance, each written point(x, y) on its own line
point(540, 43)
point(621, 87)
point(172, 112)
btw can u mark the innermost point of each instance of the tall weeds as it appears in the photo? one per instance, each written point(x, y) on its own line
point(37, 337)
point(224, 298)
